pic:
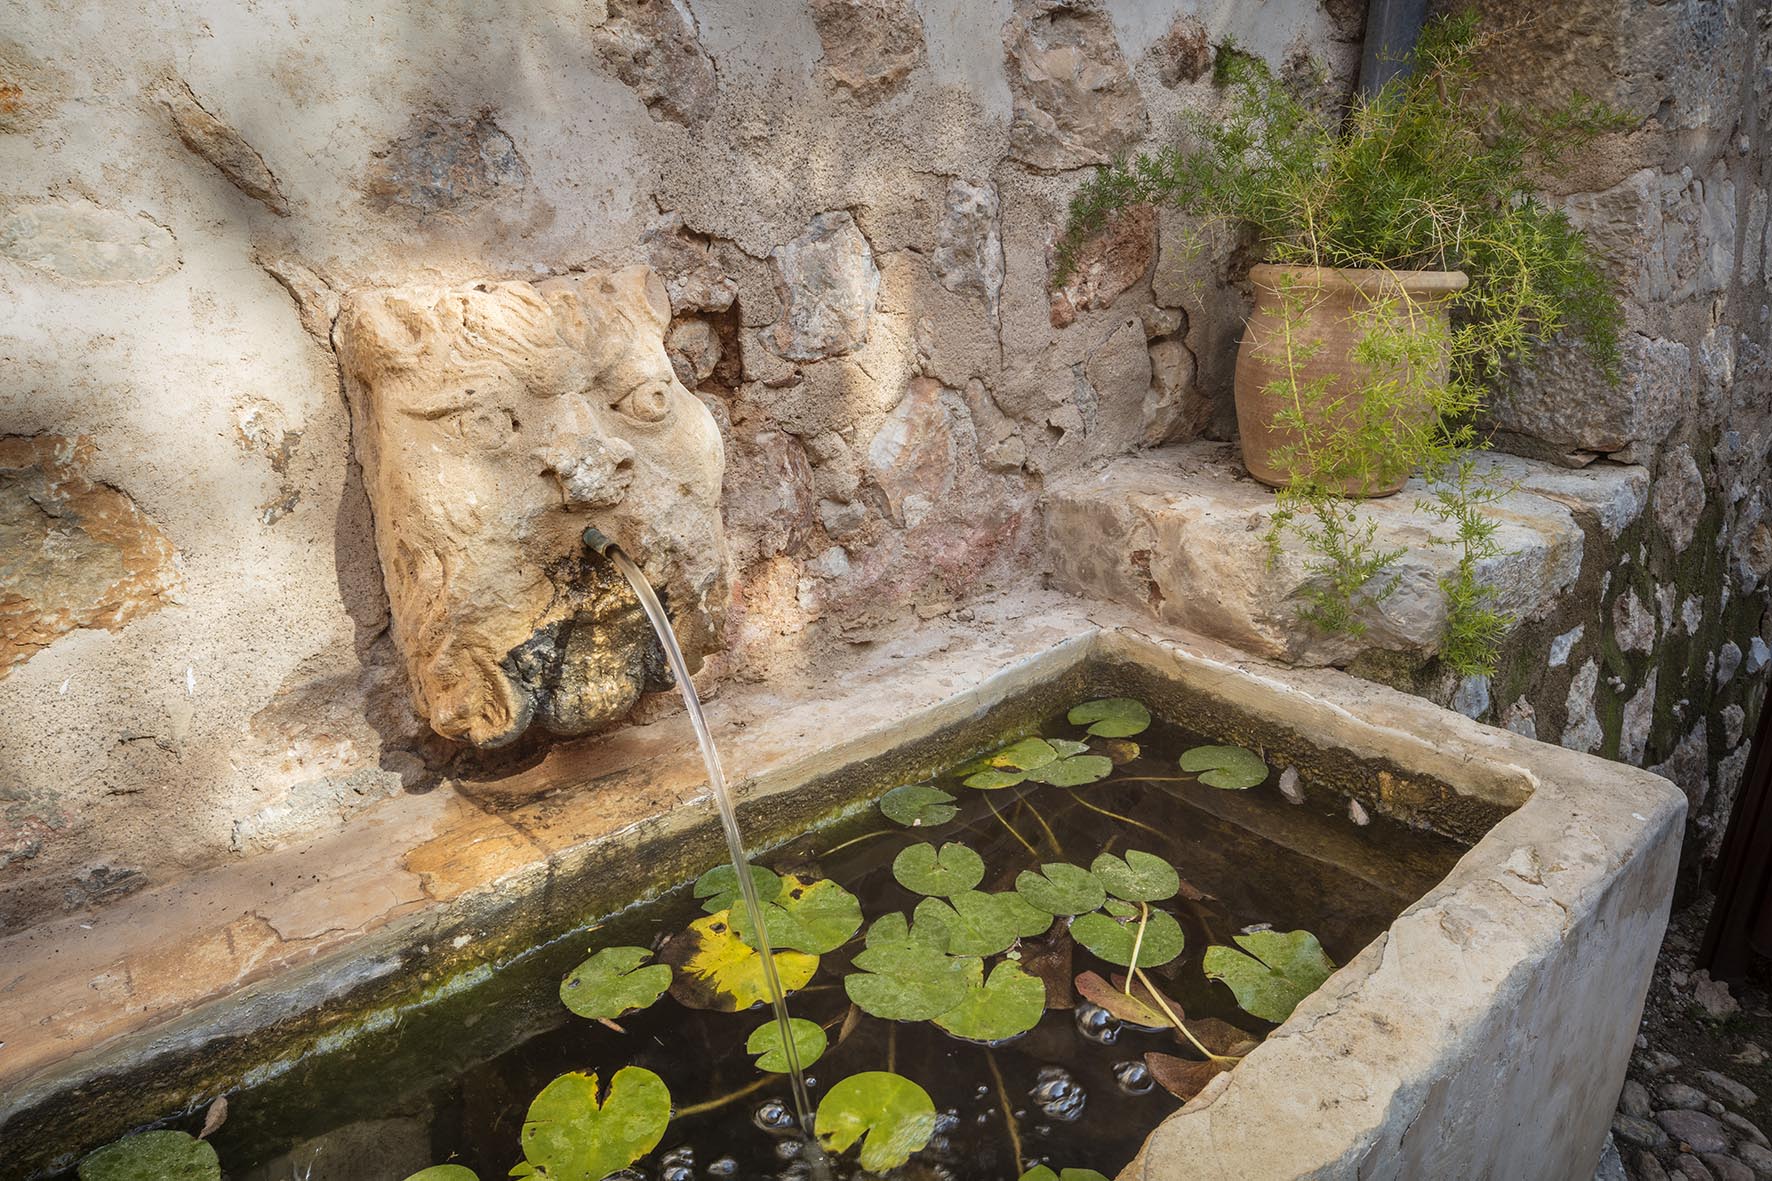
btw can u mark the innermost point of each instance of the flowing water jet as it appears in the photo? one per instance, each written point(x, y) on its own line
point(596, 541)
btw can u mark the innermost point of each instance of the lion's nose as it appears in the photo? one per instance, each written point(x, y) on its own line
point(593, 472)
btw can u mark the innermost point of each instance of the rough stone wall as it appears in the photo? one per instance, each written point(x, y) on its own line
point(851, 203)
point(1659, 657)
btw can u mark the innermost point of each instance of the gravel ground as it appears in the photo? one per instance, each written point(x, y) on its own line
point(1691, 1107)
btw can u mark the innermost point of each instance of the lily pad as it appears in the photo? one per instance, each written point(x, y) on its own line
point(1112, 939)
point(575, 1132)
point(1061, 888)
point(445, 1173)
point(1112, 717)
point(765, 1042)
point(153, 1156)
point(955, 869)
point(982, 924)
point(813, 917)
point(1280, 970)
point(891, 1116)
point(1008, 1004)
point(1229, 767)
point(1076, 771)
point(1120, 910)
point(899, 978)
point(991, 779)
point(1120, 750)
point(918, 805)
point(719, 886)
point(1066, 747)
point(1027, 755)
point(1043, 1173)
point(613, 982)
point(894, 930)
point(715, 969)
point(1137, 877)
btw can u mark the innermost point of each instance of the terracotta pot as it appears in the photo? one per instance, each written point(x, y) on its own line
point(1333, 302)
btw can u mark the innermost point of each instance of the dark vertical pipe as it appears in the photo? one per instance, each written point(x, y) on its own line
point(1740, 930)
point(1392, 28)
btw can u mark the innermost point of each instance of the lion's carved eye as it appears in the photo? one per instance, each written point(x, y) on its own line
point(649, 402)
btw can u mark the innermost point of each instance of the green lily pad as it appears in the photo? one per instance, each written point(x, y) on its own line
point(765, 1042)
point(1043, 1173)
point(1066, 747)
point(1061, 888)
point(445, 1173)
point(1120, 910)
point(955, 869)
point(894, 930)
point(1112, 717)
point(574, 1132)
point(1008, 1004)
point(153, 1156)
point(1076, 771)
point(1229, 767)
point(982, 924)
point(717, 970)
point(1137, 877)
point(910, 981)
point(891, 1116)
point(1280, 970)
point(814, 917)
point(719, 886)
point(1112, 939)
point(918, 805)
point(1029, 754)
point(994, 780)
point(612, 982)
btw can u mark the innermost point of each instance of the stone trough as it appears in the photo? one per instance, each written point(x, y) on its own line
point(1485, 1034)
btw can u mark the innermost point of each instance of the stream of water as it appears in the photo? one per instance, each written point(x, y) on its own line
point(661, 623)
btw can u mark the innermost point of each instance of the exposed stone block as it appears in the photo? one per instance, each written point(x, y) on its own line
point(654, 48)
point(828, 286)
point(1074, 99)
point(1108, 265)
point(79, 554)
point(969, 242)
point(870, 46)
point(222, 147)
point(446, 164)
point(1181, 532)
point(86, 243)
point(914, 456)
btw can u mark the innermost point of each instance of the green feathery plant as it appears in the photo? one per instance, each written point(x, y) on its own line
point(1423, 175)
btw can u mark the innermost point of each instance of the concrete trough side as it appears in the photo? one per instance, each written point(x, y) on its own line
point(1485, 1034)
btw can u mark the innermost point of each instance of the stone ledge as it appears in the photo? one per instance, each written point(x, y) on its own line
point(1180, 532)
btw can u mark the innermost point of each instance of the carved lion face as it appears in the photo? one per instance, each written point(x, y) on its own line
point(494, 421)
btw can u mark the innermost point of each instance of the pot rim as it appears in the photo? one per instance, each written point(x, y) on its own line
point(1363, 279)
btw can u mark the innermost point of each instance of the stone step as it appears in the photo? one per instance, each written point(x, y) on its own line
point(1181, 532)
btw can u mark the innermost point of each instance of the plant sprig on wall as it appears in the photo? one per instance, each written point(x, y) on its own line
point(1425, 175)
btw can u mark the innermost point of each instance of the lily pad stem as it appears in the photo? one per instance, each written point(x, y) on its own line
point(1144, 916)
point(1057, 849)
point(1175, 1019)
point(1008, 1109)
point(866, 836)
point(1121, 819)
point(749, 1088)
point(1024, 842)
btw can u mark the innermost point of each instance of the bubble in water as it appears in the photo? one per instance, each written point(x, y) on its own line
point(1134, 1077)
point(1058, 1095)
point(1042, 1129)
point(773, 1116)
point(980, 1091)
point(724, 1167)
point(1096, 1023)
point(946, 1122)
point(788, 1149)
point(677, 1165)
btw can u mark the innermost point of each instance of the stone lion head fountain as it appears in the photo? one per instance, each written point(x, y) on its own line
point(494, 421)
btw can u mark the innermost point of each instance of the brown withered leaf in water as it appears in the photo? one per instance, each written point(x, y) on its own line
point(1183, 1077)
point(1221, 1037)
point(215, 1117)
point(1048, 957)
point(1140, 1008)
